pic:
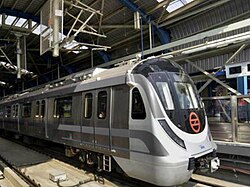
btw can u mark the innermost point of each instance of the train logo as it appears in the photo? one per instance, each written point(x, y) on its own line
point(194, 122)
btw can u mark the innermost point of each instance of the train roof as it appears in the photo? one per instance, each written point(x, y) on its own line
point(85, 80)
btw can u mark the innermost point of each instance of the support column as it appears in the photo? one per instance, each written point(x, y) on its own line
point(18, 53)
point(242, 85)
point(3, 19)
point(150, 35)
point(163, 35)
point(142, 43)
point(92, 58)
point(24, 53)
point(55, 29)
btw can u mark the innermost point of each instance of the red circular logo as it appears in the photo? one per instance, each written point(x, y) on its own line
point(194, 122)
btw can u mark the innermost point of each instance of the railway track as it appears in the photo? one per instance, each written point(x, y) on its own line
point(14, 175)
point(32, 173)
point(234, 169)
point(211, 181)
point(103, 178)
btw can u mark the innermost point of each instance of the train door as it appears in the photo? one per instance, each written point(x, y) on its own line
point(87, 127)
point(102, 116)
point(119, 124)
point(1, 117)
point(15, 117)
point(241, 118)
point(39, 118)
point(18, 116)
point(64, 118)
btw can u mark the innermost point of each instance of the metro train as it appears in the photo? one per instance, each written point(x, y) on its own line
point(144, 118)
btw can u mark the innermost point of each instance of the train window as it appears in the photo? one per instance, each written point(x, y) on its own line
point(165, 95)
point(186, 95)
point(26, 110)
point(63, 107)
point(42, 108)
point(13, 111)
point(16, 110)
point(88, 105)
point(235, 70)
point(138, 108)
point(102, 105)
point(7, 111)
point(1, 112)
point(37, 109)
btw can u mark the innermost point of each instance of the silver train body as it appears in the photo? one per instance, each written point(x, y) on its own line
point(147, 116)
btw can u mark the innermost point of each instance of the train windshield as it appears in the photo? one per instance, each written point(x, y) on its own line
point(186, 95)
point(165, 95)
point(180, 87)
point(184, 90)
point(175, 90)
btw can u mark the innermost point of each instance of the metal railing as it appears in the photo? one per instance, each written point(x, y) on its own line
point(229, 117)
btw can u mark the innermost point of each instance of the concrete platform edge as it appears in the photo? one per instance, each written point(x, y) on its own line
point(12, 176)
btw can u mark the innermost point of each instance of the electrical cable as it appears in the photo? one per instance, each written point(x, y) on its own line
point(75, 185)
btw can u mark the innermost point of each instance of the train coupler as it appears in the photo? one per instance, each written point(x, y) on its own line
point(208, 164)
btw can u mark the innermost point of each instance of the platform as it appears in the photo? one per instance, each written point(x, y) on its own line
point(233, 148)
point(40, 167)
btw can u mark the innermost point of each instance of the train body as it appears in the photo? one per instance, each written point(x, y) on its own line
point(146, 116)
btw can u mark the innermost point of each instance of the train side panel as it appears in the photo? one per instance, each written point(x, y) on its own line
point(1, 117)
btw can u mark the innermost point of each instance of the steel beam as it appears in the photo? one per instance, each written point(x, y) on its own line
point(14, 5)
point(33, 61)
point(164, 4)
point(27, 7)
point(227, 62)
point(214, 78)
point(169, 19)
point(2, 3)
point(6, 57)
point(19, 14)
point(163, 35)
point(73, 25)
point(200, 36)
point(84, 25)
point(100, 21)
point(110, 26)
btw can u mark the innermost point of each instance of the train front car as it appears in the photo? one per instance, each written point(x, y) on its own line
point(169, 134)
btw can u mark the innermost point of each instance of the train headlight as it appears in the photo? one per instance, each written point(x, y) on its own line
point(171, 134)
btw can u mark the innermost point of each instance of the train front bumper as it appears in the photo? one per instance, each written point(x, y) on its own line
point(158, 173)
point(209, 162)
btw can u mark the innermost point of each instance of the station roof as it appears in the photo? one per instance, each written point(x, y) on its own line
point(116, 22)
